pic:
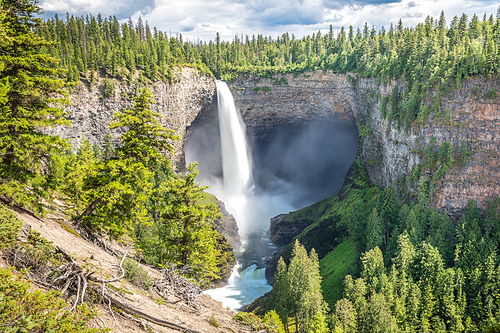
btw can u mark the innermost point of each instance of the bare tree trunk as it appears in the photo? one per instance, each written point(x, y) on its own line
point(88, 211)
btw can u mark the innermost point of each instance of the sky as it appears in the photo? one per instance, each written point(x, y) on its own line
point(202, 19)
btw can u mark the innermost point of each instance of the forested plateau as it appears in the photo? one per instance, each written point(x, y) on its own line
point(411, 241)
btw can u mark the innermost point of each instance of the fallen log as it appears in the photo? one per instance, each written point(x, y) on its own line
point(130, 310)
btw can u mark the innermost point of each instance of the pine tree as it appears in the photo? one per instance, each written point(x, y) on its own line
point(389, 211)
point(34, 98)
point(116, 190)
point(145, 140)
point(301, 285)
point(187, 232)
point(280, 293)
point(374, 231)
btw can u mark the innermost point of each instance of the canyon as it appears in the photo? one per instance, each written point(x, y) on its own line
point(388, 152)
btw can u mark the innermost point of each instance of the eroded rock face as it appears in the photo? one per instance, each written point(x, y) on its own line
point(389, 152)
point(228, 227)
point(178, 104)
point(280, 232)
point(297, 98)
point(468, 115)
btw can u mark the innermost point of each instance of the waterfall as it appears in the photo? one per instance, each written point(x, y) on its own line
point(253, 202)
point(236, 159)
point(251, 210)
point(240, 200)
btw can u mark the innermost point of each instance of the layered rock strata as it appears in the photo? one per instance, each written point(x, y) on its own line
point(469, 113)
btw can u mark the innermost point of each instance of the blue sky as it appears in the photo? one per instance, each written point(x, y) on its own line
point(201, 19)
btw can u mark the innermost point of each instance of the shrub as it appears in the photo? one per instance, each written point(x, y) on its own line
point(109, 88)
point(25, 311)
point(36, 255)
point(9, 227)
point(213, 320)
point(491, 94)
point(137, 275)
point(273, 323)
point(249, 319)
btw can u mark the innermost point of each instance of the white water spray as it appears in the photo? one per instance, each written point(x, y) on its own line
point(236, 160)
point(252, 212)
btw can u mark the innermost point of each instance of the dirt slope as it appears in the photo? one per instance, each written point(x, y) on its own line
point(106, 266)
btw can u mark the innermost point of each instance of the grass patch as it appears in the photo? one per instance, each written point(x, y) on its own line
point(68, 228)
point(333, 267)
point(210, 199)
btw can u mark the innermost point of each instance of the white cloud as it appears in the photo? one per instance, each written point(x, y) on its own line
point(202, 19)
point(119, 8)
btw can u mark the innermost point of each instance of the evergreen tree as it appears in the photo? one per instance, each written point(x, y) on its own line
point(34, 98)
point(186, 225)
point(374, 231)
point(301, 285)
point(389, 210)
point(145, 140)
point(280, 294)
point(116, 190)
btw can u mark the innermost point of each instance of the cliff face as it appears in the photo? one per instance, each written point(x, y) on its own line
point(178, 104)
point(466, 115)
point(293, 99)
point(389, 152)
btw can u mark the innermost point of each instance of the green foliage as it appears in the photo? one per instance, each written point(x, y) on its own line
point(89, 45)
point(334, 267)
point(185, 229)
point(22, 310)
point(108, 88)
point(115, 193)
point(492, 93)
point(272, 323)
point(213, 320)
point(34, 96)
point(145, 139)
point(10, 226)
point(115, 190)
point(374, 231)
point(137, 275)
point(297, 290)
point(464, 153)
point(37, 255)
point(249, 319)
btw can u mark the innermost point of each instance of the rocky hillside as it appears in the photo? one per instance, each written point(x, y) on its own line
point(205, 315)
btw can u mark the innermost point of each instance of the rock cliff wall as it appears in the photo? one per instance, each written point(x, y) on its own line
point(178, 104)
point(466, 114)
point(389, 152)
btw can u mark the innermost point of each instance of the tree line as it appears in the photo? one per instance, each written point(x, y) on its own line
point(418, 270)
point(433, 54)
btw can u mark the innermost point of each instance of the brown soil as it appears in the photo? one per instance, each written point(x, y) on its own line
point(106, 266)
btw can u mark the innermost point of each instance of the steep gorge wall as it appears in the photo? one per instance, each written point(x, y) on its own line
point(389, 152)
point(178, 104)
